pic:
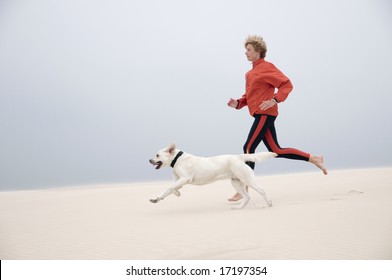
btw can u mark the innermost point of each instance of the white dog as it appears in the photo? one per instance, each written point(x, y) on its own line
point(190, 169)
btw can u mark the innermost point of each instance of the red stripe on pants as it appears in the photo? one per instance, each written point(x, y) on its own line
point(285, 151)
point(256, 133)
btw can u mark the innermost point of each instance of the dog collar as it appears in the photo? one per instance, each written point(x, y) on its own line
point(176, 158)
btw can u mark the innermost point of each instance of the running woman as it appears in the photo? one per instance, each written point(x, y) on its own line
point(262, 102)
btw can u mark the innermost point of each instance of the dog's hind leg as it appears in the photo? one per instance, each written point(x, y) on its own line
point(247, 178)
point(253, 185)
point(262, 193)
point(238, 185)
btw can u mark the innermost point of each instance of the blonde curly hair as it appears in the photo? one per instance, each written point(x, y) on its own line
point(258, 44)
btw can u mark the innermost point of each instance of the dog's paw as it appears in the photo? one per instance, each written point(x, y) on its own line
point(237, 207)
point(240, 206)
point(177, 193)
point(269, 203)
point(154, 200)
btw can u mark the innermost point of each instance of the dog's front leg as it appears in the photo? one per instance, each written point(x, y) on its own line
point(173, 190)
point(162, 196)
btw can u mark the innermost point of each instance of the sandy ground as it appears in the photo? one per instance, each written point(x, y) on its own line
point(345, 215)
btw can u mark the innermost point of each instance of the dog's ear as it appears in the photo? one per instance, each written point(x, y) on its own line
point(171, 149)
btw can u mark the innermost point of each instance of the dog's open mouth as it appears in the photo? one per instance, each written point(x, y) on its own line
point(158, 164)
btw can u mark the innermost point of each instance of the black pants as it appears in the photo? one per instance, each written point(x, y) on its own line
point(263, 129)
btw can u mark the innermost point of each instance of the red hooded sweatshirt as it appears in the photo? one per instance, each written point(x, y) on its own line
point(261, 82)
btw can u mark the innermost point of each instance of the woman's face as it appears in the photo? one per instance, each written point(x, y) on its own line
point(251, 54)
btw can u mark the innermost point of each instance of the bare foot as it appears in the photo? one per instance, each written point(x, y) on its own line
point(235, 197)
point(319, 162)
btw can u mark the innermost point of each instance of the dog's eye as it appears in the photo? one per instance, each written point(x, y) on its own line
point(157, 156)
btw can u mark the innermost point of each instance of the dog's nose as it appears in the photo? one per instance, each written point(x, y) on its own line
point(151, 161)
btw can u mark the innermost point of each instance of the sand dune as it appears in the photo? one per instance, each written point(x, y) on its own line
point(345, 215)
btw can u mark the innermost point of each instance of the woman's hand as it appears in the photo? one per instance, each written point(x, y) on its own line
point(265, 105)
point(232, 103)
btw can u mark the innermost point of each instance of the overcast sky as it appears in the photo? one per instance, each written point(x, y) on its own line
point(90, 90)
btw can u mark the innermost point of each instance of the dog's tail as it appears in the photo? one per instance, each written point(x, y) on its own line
point(258, 156)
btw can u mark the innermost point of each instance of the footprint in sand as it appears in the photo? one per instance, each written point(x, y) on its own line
point(351, 192)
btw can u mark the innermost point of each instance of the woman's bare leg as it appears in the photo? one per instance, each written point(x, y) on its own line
point(319, 162)
point(237, 196)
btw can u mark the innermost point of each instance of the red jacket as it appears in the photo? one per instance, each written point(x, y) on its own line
point(261, 82)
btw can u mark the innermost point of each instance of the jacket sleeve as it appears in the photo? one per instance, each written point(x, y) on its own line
point(242, 102)
point(276, 78)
